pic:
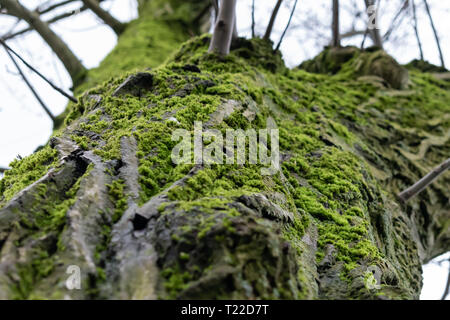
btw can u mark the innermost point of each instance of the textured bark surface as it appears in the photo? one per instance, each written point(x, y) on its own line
point(104, 195)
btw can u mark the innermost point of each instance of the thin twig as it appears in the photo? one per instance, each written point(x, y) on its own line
point(287, 26)
point(393, 25)
point(46, 109)
point(424, 182)
point(50, 21)
point(364, 38)
point(438, 43)
point(38, 73)
point(272, 20)
point(52, 7)
point(416, 30)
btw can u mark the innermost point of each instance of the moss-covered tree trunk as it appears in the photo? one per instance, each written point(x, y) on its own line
point(105, 196)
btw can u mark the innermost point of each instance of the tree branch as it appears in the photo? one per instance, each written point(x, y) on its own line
point(73, 66)
point(50, 21)
point(253, 18)
point(3, 169)
point(106, 17)
point(435, 33)
point(335, 25)
point(46, 109)
point(38, 73)
point(424, 182)
point(53, 6)
point(287, 26)
point(416, 30)
point(352, 33)
point(223, 30)
point(272, 20)
point(393, 25)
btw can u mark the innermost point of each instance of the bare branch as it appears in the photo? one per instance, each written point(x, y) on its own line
point(73, 66)
point(393, 23)
point(45, 9)
point(424, 182)
point(287, 26)
point(253, 18)
point(352, 33)
point(37, 72)
point(416, 30)
point(366, 32)
point(335, 25)
point(435, 33)
point(223, 30)
point(46, 109)
point(272, 20)
point(50, 21)
point(106, 17)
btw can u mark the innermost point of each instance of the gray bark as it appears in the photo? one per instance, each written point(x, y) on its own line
point(335, 24)
point(374, 32)
point(223, 30)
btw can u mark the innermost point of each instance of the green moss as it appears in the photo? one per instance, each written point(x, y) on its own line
point(117, 196)
point(26, 171)
point(175, 281)
point(329, 153)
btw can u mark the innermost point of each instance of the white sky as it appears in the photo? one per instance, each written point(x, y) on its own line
point(24, 125)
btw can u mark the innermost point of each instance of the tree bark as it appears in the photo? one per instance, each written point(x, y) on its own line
point(106, 17)
point(104, 194)
point(335, 24)
point(272, 20)
point(67, 57)
point(224, 28)
point(374, 31)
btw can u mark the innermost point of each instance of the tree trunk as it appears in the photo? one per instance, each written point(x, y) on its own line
point(335, 25)
point(225, 28)
point(374, 31)
point(104, 195)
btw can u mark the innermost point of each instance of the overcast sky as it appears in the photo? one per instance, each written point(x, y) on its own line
point(24, 125)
